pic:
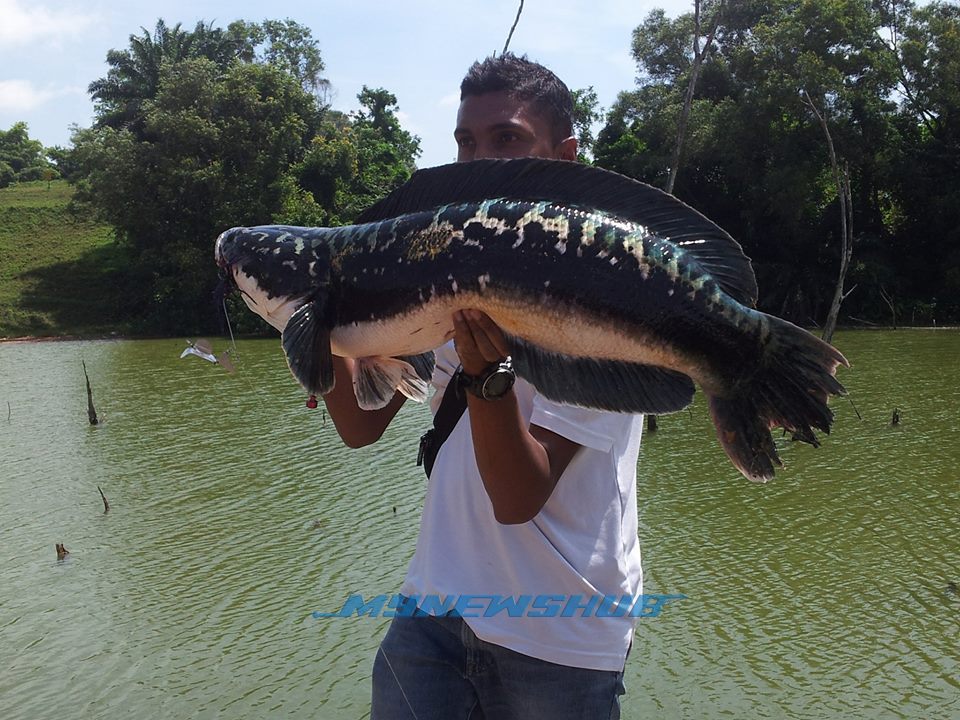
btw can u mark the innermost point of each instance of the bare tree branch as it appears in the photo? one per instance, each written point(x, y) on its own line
point(926, 117)
point(699, 55)
point(841, 177)
point(889, 301)
point(510, 36)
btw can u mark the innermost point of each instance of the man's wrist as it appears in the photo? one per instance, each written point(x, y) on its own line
point(492, 383)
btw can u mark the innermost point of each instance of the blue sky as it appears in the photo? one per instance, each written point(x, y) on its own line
point(51, 50)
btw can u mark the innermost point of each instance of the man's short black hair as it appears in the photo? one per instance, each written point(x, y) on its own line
point(524, 80)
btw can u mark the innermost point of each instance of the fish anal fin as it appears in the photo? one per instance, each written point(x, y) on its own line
point(601, 384)
point(378, 379)
point(306, 343)
point(422, 364)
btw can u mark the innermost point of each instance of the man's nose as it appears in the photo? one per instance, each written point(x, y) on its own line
point(484, 151)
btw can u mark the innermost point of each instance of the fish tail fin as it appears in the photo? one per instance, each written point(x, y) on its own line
point(790, 389)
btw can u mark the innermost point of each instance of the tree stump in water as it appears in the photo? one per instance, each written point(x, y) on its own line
point(106, 505)
point(91, 410)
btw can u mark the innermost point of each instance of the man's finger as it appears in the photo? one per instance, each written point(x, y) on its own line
point(465, 343)
point(481, 324)
point(463, 333)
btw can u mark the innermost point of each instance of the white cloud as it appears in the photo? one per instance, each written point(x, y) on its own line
point(451, 100)
point(22, 95)
point(406, 121)
point(21, 24)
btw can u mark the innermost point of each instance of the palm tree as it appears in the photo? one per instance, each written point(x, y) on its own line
point(135, 73)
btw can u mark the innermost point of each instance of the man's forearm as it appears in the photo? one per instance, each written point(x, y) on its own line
point(514, 465)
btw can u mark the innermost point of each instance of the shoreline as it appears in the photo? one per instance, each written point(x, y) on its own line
point(62, 338)
point(23, 339)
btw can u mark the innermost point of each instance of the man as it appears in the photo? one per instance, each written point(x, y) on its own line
point(526, 498)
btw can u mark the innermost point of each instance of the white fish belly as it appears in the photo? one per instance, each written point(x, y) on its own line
point(550, 324)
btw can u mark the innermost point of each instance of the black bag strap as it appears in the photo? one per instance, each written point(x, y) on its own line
point(452, 406)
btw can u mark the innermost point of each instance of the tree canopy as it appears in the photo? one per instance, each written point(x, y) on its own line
point(198, 131)
point(799, 120)
point(756, 159)
point(22, 158)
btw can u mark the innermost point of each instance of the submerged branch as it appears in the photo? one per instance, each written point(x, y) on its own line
point(91, 410)
point(106, 505)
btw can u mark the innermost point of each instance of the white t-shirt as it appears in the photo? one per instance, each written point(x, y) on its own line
point(583, 541)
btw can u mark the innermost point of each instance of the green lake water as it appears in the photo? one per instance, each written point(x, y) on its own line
point(830, 592)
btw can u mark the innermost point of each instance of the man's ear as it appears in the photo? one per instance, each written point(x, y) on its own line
point(567, 149)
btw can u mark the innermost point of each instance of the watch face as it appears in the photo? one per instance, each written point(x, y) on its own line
point(498, 383)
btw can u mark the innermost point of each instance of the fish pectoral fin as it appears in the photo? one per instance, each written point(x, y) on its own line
point(379, 378)
point(306, 343)
point(601, 384)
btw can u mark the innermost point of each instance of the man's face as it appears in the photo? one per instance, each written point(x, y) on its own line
point(495, 125)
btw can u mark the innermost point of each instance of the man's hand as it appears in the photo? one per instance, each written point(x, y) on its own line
point(478, 340)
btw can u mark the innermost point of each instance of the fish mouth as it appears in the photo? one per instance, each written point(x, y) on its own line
point(232, 253)
point(227, 282)
point(221, 249)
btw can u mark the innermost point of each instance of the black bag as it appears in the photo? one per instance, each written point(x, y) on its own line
point(451, 409)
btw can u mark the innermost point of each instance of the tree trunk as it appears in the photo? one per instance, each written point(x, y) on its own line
point(699, 55)
point(91, 410)
point(842, 179)
point(889, 301)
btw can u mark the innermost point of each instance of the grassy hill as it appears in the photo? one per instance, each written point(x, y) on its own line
point(58, 266)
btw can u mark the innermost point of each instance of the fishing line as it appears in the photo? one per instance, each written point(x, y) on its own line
point(226, 315)
point(850, 399)
point(399, 685)
point(257, 390)
point(236, 354)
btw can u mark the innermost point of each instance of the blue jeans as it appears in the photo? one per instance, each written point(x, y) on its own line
point(435, 668)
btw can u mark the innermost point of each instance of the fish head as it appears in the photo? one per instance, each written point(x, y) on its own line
point(275, 268)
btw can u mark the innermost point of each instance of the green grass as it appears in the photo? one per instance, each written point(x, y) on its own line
point(58, 267)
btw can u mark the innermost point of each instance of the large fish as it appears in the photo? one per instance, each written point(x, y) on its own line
point(612, 294)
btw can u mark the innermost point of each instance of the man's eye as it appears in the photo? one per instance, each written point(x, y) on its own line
point(508, 137)
point(464, 142)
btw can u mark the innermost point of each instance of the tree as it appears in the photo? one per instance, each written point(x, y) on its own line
point(699, 54)
point(924, 200)
point(135, 73)
point(353, 162)
point(386, 153)
point(282, 43)
point(21, 159)
point(755, 159)
point(196, 131)
point(586, 113)
point(213, 153)
point(841, 178)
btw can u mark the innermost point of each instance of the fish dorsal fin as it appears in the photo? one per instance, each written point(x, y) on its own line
point(584, 187)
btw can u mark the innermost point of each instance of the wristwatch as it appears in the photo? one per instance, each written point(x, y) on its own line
point(492, 383)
